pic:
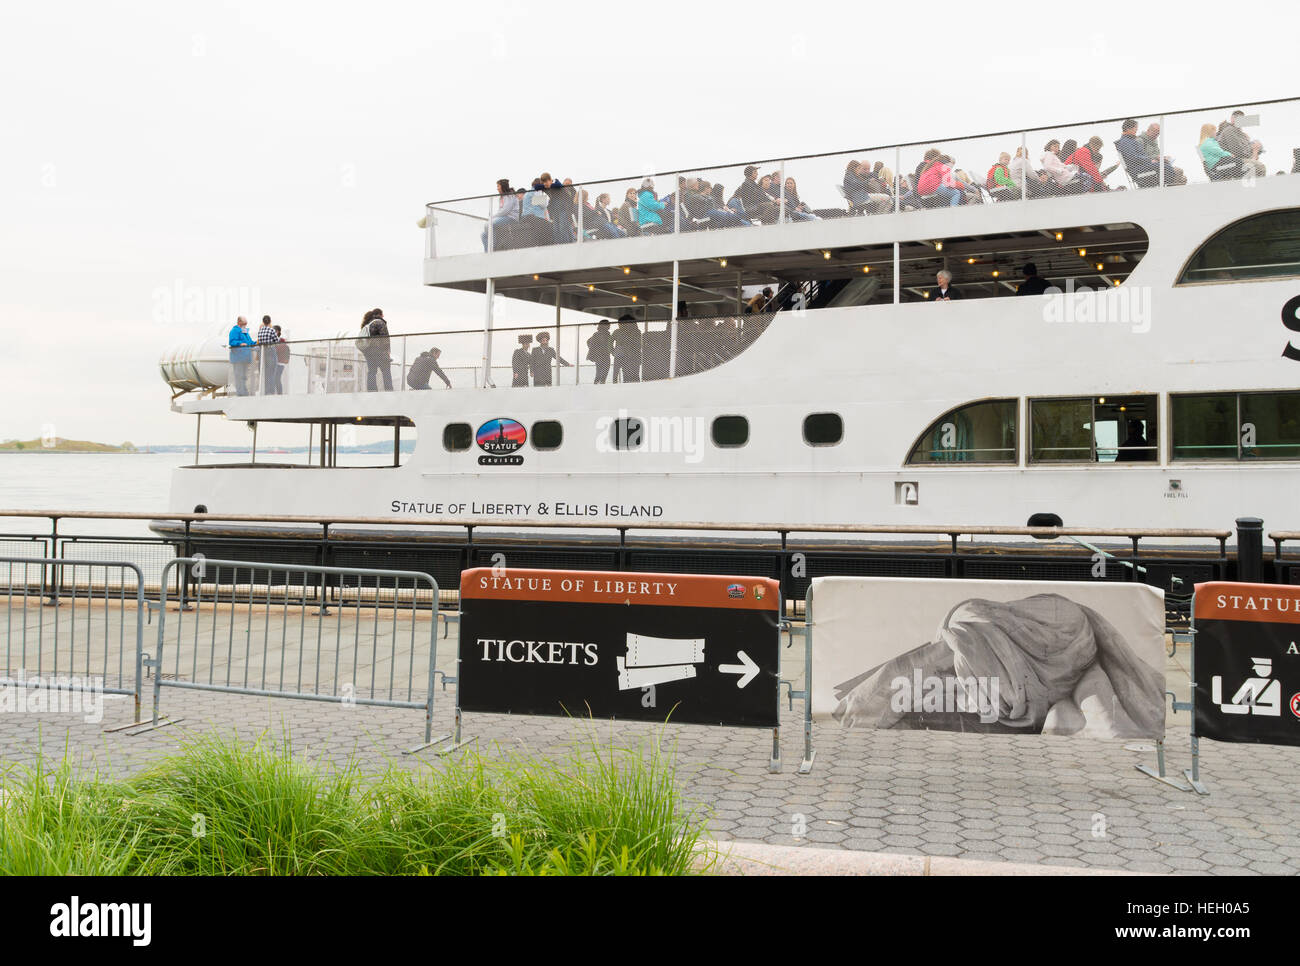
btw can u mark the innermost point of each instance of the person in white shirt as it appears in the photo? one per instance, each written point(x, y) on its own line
point(1063, 176)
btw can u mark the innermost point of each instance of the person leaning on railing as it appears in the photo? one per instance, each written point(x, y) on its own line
point(425, 365)
point(507, 214)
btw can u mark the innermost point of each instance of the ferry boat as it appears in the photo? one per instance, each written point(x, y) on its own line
point(1154, 384)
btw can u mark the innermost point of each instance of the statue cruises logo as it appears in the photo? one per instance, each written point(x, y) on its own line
point(499, 439)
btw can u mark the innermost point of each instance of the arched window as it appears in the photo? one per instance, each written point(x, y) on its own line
point(1261, 246)
point(981, 432)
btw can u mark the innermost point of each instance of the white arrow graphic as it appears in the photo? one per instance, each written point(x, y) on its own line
point(747, 669)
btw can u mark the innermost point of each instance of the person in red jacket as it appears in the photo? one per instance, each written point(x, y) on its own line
point(1082, 158)
point(937, 179)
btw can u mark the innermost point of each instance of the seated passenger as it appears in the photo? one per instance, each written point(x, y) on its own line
point(1219, 164)
point(937, 180)
point(1143, 170)
point(857, 187)
point(759, 302)
point(626, 216)
point(1082, 158)
point(1150, 141)
point(648, 209)
point(596, 219)
point(1063, 178)
point(796, 210)
point(718, 214)
point(1025, 175)
point(749, 195)
point(1232, 140)
point(1001, 186)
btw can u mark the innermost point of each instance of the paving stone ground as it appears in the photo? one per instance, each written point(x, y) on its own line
point(1034, 799)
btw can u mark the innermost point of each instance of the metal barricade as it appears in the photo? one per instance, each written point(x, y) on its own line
point(267, 629)
point(72, 626)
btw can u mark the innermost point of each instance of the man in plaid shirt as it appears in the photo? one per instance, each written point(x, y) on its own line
point(266, 337)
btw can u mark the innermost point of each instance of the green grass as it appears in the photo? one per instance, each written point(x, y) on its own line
point(221, 807)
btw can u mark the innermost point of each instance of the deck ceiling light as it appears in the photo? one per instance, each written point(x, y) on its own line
point(938, 246)
point(1083, 253)
point(536, 277)
point(925, 294)
point(1102, 400)
point(627, 270)
point(866, 268)
point(995, 273)
point(970, 261)
point(1100, 266)
point(826, 255)
point(1060, 236)
point(1115, 282)
point(633, 298)
point(591, 288)
point(722, 262)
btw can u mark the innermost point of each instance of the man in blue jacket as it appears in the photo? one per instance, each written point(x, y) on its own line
point(240, 354)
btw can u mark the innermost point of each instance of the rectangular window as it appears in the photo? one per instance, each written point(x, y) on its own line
point(1236, 426)
point(1060, 430)
point(1101, 429)
point(1204, 426)
point(1270, 425)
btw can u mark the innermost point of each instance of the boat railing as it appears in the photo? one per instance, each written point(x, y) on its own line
point(819, 187)
point(584, 353)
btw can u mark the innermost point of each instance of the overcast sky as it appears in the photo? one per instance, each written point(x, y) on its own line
point(285, 151)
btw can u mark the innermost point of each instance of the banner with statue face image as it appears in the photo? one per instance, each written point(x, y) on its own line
point(994, 656)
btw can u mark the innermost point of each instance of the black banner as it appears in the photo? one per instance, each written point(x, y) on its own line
point(649, 647)
point(1247, 660)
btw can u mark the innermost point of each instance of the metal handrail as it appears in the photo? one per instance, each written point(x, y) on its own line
point(779, 528)
point(886, 147)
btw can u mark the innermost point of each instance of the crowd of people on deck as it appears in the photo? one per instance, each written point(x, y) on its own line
point(552, 211)
point(274, 353)
point(623, 352)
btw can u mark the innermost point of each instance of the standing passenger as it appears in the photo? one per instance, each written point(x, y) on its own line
point(266, 339)
point(541, 359)
point(240, 354)
point(521, 362)
point(599, 348)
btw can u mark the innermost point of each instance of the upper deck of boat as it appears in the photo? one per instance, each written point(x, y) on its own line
point(821, 224)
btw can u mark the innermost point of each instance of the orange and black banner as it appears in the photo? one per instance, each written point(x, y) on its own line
point(1247, 661)
point(687, 648)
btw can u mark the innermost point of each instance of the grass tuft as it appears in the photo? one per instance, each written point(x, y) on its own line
point(221, 807)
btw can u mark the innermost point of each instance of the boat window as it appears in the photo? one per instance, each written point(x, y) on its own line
point(730, 431)
point(1098, 429)
point(823, 429)
point(626, 433)
point(982, 432)
point(547, 434)
point(1270, 425)
point(1236, 426)
point(1204, 426)
point(1261, 246)
point(457, 436)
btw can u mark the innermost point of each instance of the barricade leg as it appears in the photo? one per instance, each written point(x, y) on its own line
point(1193, 774)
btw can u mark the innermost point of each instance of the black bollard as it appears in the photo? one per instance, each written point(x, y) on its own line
point(1250, 549)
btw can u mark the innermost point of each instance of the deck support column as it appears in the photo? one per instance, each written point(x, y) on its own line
point(490, 291)
point(672, 325)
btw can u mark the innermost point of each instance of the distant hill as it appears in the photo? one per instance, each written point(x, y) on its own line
point(61, 446)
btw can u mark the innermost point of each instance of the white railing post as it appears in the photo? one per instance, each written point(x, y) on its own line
point(491, 240)
point(403, 373)
point(781, 200)
point(1025, 166)
point(677, 202)
point(580, 210)
point(1160, 146)
point(329, 365)
point(898, 180)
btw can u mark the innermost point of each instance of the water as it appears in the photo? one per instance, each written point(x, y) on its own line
point(125, 482)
